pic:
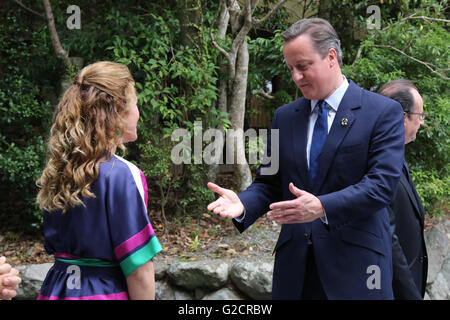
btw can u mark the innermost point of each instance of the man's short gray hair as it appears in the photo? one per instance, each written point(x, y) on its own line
point(321, 33)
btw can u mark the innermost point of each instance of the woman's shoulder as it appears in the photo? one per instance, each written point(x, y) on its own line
point(119, 168)
point(119, 173)
point(125, 164)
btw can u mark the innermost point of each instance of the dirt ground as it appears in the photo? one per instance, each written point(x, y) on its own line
point(209, 237)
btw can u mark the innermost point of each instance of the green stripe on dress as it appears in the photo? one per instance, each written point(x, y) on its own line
point(141, 256)
point(89, 262)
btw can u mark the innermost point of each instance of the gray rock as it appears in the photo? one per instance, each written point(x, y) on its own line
point(439, 289)
point(436, 241)
point(208, 274)
point(223, 294)
point(445, 270)
point(253, 278)
point(182, 295)
point(160, 268)
point(33, 276)
point(447, 227)
point(200, 293)
point(163, 291)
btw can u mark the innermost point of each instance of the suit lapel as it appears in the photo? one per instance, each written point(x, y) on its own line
point(415, 201)
point(300, 123)
point(341, 126)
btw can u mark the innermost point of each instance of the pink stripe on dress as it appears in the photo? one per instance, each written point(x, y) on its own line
point(133, 242)
point(65, 255)
point(113, 296)
point(144, 183)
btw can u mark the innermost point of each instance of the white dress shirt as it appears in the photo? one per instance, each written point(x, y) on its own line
point(332, 106)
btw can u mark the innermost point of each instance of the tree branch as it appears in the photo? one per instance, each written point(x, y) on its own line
point(306, 8)
point(413, 16)
point(406, 18)
point(243, 30)
point(426, 64)
point(268, 15)
point(263, 94)
point(213, 40)
point(28, 9)
point(59, 50)
point(358, 54)
point(234, 10)
point(254, 4)
point(428, 18)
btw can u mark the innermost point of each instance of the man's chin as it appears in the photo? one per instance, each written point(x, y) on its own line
point(308, 95)
point(305, 92)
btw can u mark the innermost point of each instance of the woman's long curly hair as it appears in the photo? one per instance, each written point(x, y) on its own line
point(86, 131)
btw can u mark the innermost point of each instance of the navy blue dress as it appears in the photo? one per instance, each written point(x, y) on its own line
point(97, 245)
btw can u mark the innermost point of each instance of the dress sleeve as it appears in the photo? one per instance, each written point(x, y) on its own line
point(133, 239)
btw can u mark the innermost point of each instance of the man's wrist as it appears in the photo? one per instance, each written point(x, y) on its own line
point(241, 217)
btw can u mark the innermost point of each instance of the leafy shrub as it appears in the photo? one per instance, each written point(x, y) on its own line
point(24, 115)
point(176, 86)
point(416, 49)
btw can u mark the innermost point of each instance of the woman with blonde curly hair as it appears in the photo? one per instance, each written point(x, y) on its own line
point(94, 202)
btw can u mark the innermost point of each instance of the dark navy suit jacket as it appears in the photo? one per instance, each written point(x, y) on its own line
point(359, 169)
point(409, 253)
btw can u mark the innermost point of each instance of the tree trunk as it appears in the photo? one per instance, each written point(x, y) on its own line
point(241, 21)
point(222, 104)
point(242, 171)
point(237, 93)
point(59, 50)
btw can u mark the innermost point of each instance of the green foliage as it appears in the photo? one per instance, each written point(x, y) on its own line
point(422, 56)
point(266, 61)
point(267, 64)
point(24, 114)
point(160, 64)
point(349, 18)
point(176, 86)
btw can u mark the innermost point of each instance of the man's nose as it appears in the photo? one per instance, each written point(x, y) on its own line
point(297, 75)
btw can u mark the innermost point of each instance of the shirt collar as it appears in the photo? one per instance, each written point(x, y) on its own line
point(335, 98)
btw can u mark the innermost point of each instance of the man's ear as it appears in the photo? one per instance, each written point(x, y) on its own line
point(332, 57)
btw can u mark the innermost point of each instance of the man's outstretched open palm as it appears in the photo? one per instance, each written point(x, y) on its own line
point(228, 205)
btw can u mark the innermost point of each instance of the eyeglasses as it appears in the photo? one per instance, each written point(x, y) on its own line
point(421, 115)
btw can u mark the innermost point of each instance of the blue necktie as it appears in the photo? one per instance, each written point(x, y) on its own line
point(318, 139)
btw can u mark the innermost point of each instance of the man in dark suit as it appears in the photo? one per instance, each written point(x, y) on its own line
point(340, 152)
point(409, 253)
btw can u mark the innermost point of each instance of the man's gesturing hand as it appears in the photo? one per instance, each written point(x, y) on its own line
point(305, 208)
point(228, 205)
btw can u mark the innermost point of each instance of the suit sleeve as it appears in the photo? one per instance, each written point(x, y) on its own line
point(375, 190)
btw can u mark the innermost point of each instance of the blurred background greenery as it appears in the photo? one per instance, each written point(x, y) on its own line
point(168, 48)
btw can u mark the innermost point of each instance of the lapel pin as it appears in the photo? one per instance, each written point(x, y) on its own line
point(344, 122)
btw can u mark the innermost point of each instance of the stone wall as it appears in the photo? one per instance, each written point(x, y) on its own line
point(437, 240)
point(238, 279)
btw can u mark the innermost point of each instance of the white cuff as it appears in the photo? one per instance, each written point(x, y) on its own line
point(240, 218)
point(324, 218)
